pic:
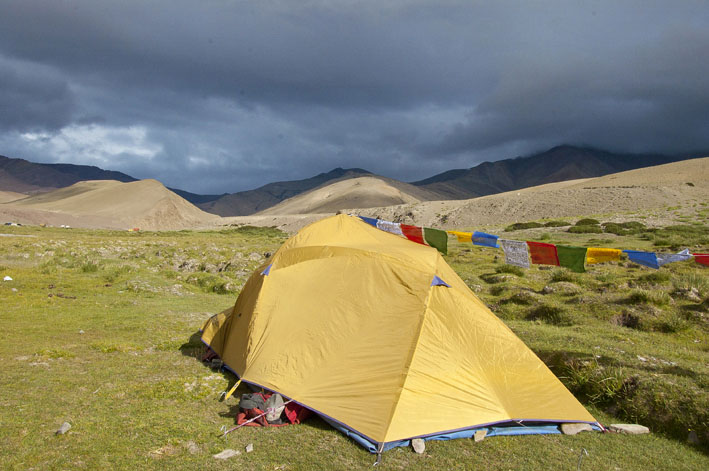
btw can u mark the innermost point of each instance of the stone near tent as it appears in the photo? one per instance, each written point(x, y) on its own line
point(631, 429)
point(63, 429)
point(7, 278)
point(479, 435)
point(418, 445)
point(573, 429)
point(249, 448)
point(226, 454)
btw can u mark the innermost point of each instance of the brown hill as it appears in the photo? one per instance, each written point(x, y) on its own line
point(362, 192)
point(652, 188)
point(145, 204)
point(30, 177)
point(560, 163)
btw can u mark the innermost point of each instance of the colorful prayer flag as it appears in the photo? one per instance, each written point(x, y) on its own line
point(516, 253)
point(543, 254)
point(388, 226)
point(648, 259)
point(488, 240)
point(413, 233)
point(370, 221)
point(702, 258)
point(572, 257)
point(600, 255)
point(436, 238)
point(665, 258)
point(462, 236)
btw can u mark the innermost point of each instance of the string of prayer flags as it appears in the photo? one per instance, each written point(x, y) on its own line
point(436, 238)
point(600, 255)
point(572, 258)
point(665, 258)
point(370, 221)
point(702, 258)
point(388, 226)
point(487, 240)
point(542, 253)
point(516, 253)
point(413, 233)
point(462, 236)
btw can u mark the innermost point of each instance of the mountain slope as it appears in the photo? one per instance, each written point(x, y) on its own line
point(252, 201)
point(557, 164)
point(28, 177)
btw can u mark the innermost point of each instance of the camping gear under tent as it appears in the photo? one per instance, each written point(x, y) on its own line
point(383, 339)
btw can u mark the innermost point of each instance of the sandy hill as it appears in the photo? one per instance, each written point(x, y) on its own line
point(685, 182)
point(145, 204)
point(7, 196)
point(362, 192)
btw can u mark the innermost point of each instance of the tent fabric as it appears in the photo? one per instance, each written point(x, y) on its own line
point(413, 233)
point(571, 257)
point(516, 252)
point(436, 238)
point(348, 325)
point(601, 255)
point(487, 240)
point(702, 258)
point(542, 253)
point(648, 259)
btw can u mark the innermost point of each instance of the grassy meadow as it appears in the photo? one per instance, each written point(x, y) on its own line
point(100, 330)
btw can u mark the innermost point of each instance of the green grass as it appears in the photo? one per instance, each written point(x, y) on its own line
point(102, 333)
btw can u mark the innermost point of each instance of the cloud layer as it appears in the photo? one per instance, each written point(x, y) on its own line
point(221, 96)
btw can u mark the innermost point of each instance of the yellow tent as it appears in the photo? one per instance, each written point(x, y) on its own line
point(382, 337)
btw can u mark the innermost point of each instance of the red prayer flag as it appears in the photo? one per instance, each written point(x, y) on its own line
point(702, 258)
point(543, 254)
point(413, 233)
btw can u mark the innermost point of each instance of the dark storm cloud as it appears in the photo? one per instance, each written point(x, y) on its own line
point(219, 96)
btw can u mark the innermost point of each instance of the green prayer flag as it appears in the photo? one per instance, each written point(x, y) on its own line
point(572, 258)
point(436, 238)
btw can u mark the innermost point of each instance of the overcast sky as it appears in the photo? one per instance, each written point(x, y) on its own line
point(216, 96)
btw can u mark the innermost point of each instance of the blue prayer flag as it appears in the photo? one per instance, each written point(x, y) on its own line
point(370, 221)
point(649, 259)
point(488, 240)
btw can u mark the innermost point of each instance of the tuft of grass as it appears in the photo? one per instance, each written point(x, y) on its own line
point(642, 296)
point(656, 277)
point(693, 279)
point(587, 222)
point(551, 315)
point(522, 225)
point(510, 269)
point(563, 274)
point(89, 267)
point(556, 224)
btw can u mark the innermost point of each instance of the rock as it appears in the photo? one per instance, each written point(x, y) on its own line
point(81, 332)
point(631, 429)
point(7, 278)
point(479, 435)
point(226, 454)
point(573, 429)
point(418, 445)
point(249, 448)
point(63, 429)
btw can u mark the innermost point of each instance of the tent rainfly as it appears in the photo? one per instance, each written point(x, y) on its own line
point(381, 337)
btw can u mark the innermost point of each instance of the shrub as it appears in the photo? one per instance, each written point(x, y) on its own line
point(556, 224)
point(522, 225)
point(587, 222)
point(587, 229)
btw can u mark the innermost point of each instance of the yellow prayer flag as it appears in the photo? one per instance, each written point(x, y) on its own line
point(462, 236)
point(600, 255)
